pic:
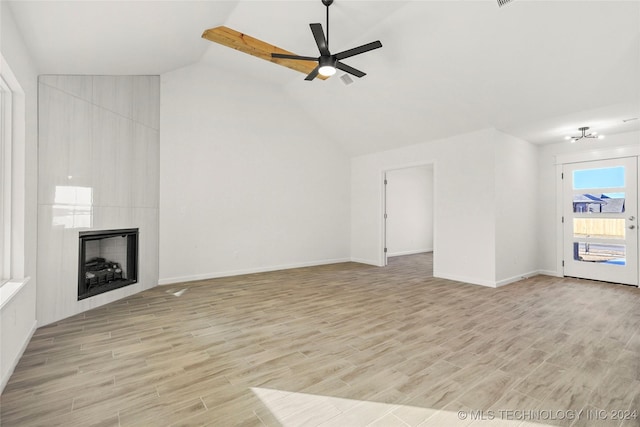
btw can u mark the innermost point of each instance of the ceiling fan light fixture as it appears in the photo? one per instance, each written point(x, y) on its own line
point(327, 70)
point(327, 66)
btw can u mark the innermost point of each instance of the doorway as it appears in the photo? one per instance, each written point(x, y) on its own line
point(600, 226)
point(408, 211)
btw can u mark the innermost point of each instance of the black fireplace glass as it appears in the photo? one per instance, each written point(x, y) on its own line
point(108, 260)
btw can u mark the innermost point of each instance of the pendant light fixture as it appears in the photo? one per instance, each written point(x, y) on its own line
point(584, 130)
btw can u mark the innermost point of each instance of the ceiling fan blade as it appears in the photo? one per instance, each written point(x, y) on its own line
point(321, 41)
point(313, 74)
point(263, 50)
point(358, 50)
point(350, 70)
point(296, 57)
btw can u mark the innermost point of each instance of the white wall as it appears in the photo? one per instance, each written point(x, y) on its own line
point(247, 182)
point(409, 210)
point(18, 315)
point(548, 220)
point(516, 208)
point(464, 190)
point(480, 235)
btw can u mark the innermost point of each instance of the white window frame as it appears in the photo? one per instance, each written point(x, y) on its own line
point(6, 125)
point(13, 185)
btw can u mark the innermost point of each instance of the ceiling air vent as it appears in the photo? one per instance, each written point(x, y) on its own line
point(503, 2)
point(346, 79)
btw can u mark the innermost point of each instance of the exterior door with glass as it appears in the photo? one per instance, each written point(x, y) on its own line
point(600, 220)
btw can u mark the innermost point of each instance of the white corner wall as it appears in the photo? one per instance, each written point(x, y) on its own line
point(18, 315)
point(409, 210)
point(485, 211)
point(464, 208)
point(549, 237)
point(247, 182)
point(516, 208)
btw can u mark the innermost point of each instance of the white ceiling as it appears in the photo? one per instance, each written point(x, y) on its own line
point(535, 69)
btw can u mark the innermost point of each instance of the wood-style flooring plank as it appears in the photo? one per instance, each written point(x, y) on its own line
point(335, 345)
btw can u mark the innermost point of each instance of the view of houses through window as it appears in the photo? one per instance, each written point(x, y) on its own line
point(601, 204)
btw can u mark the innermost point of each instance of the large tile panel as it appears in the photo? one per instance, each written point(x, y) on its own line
point(52, 298)
point(78, 86)
point(111, 161)
point(148, 257)
point(146, 98)
point(114, 93)
point(64, 143)
point(146, 155)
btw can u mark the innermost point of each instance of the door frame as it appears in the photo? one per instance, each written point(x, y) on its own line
point(383, 236)
point(579, 157)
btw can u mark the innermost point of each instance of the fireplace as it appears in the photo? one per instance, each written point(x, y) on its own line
point(108, 260)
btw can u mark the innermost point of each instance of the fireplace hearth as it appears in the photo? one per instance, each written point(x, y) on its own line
point(108, 260)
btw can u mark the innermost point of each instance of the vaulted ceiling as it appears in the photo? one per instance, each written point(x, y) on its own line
point(535, 69)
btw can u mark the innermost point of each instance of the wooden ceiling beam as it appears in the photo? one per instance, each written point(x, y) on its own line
point(254, 47)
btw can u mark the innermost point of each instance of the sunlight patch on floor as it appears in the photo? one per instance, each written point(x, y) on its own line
point(176, 294)
point(302, 409)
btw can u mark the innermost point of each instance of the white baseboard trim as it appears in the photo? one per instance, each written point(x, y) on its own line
point(550, 273)
point(417, 251)
point(14, 362)
point(498, 283)
point(513, 279)
point(215, 275)
point(469, 280)
point(366, 261)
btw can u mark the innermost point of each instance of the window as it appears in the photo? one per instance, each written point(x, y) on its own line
point(12, 182)
point(5, 180)
point(599, 178)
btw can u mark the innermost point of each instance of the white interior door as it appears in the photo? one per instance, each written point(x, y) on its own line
point(600, 220)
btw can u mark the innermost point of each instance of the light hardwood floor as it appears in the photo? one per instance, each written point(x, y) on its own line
point(339, 345)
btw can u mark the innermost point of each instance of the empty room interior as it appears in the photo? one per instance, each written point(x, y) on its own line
point(319, 213)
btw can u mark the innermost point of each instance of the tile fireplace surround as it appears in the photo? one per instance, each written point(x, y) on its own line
point(98, 169)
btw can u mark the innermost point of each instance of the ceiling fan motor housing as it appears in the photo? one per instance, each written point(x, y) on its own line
point(327, 61)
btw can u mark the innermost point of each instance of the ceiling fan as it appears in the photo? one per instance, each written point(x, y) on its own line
point(327, 64)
